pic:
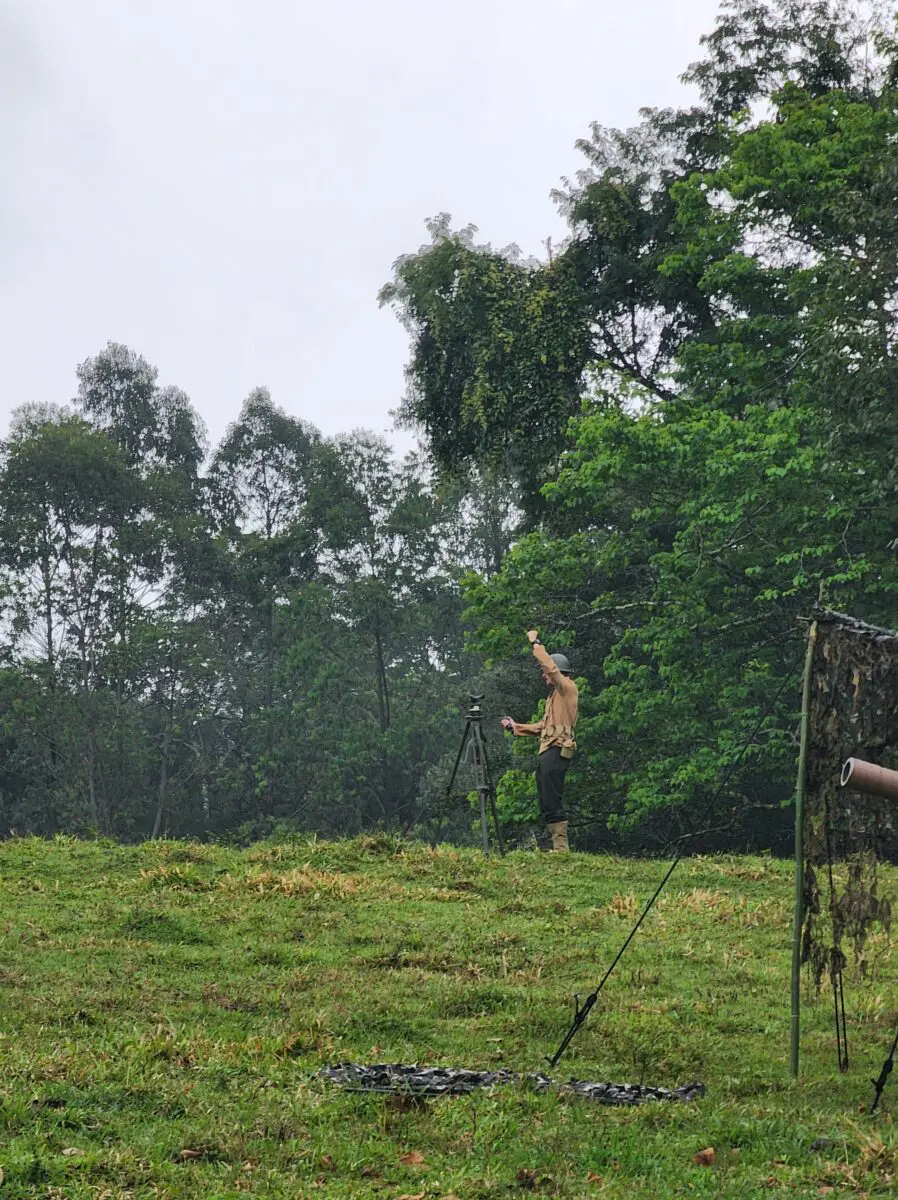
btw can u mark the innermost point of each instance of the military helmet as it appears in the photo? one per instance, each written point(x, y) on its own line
point(562, 662)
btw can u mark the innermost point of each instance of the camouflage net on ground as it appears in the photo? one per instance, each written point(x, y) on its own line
point(397, 1079)
point(853, 713)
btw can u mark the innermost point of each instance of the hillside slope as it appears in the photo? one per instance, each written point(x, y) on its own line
point(164, 1009)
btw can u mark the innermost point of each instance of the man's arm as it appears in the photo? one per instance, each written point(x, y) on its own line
point(545, 660)
point(521, 728)
point(534, 729)
point(548, 664)
point(560, 681)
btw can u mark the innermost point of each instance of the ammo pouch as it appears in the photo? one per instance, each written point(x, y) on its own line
point(565, 739)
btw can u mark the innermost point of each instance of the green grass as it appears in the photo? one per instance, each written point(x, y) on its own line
point(164, 1010)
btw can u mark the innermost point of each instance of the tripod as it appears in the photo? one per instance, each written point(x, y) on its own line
point(474, 738)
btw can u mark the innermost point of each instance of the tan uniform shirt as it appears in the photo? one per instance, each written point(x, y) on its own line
point(557, 726)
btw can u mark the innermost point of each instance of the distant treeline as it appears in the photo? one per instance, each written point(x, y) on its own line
point(662, 445)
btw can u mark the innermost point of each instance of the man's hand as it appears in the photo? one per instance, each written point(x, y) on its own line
point(532, 636)
point(507, 723)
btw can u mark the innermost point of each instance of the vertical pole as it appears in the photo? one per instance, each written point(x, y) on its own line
point(799, 849)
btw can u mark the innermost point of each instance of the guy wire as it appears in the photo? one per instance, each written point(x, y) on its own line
point(581, 1012)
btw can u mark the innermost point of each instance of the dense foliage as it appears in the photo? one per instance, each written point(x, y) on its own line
point(728, 292)
point(661, 445)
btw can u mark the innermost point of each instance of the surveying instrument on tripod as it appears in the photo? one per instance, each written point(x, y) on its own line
point(473, 750)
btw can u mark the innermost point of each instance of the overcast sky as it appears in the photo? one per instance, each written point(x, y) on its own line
point(224, 185)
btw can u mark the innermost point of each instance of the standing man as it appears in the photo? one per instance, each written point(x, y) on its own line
point(556, 738)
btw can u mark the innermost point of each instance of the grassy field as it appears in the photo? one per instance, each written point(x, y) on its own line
point(164, 1010)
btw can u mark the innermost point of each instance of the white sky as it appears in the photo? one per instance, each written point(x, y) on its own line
point(224, 185)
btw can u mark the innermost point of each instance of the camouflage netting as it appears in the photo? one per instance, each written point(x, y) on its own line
point(853, 713)
point(403, 1080)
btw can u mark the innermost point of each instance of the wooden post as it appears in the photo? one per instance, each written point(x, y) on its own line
point(799, 848)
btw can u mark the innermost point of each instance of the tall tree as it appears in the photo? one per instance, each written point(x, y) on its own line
point(61, 487)
point(161, 440)
point(260, 478)
point(91, 514)
point(498, 348)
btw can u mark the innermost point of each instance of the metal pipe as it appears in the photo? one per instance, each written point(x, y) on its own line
point(800, 788)
point(870, 779)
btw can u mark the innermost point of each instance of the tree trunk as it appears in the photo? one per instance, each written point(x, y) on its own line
point(383, 694)
point(163, 783)
point(52, 822)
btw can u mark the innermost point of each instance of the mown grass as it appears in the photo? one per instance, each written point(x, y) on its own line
point(164, 1010)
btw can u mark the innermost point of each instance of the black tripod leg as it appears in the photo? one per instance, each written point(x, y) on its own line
point(485, 782)
point(461, 750)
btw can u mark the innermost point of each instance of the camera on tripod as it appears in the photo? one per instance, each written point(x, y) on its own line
point(473, 751)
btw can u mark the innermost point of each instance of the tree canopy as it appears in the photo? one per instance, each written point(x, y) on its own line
point(715, 448)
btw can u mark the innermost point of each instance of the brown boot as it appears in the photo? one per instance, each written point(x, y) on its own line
point(559, 835)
